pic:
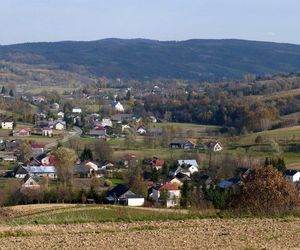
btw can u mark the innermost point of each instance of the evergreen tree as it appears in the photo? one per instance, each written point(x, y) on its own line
point(11, 93)
point(86, 154)
point(3, 90)
point(185, 194)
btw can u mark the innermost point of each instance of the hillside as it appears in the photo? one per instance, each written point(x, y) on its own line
point(142, 59)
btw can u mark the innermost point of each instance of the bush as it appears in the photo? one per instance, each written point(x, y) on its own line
point(268, 192)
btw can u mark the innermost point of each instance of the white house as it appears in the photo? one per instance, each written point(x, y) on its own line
point(190, 165)
point(7, 124)
point(215, 146)
point(106, 122)
point(76, 110)
point(92, 165)
point(61, 115)
point(30, 181)
point(172, 194)
point(141, 130)
point(60, 125)
point(292, 175)
point(176, 181)
point(118, 106)
point(125, 126)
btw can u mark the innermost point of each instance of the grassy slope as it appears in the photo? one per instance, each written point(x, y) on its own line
point(96, 213)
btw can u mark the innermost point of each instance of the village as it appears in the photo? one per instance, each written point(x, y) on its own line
point(134, 157)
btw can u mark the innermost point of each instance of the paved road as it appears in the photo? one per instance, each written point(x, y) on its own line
point(76, 132)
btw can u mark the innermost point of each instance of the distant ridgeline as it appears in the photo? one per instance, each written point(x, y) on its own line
point(206, 60)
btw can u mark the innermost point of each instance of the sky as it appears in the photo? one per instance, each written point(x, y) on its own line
point(85, 20)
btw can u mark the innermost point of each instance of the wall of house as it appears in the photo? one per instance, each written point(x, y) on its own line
point(136, 202)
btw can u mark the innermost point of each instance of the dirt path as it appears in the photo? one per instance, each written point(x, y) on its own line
point(191, 234)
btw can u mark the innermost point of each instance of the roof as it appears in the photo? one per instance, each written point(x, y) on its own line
point(180, 141)
point(41, 169)
point(28, 176)
point(41, 156)
point(168, 187)
point(188, 162)
point(21, 170)
point(291, 172)
point(118, 190)
point(157, 162)
point(37, 146)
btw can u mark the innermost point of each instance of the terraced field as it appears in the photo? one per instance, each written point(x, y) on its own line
point(24, 230)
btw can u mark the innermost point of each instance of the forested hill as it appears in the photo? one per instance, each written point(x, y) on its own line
point(141, 59)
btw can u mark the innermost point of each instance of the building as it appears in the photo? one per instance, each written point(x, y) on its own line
point(31, 181)
point(215, 146)
point(60, 115)
point(141, 130)
point(59, 125)
point(98, 131)
point(7, 124)
point(23, 132)
point(106, 122)
point(181, 144)
point(76, 110)
point(292, 175)
point(169, 194)
point(42, 171)
point(47, 132)
point(118, 106)
point(37, 149)
point(121, 194)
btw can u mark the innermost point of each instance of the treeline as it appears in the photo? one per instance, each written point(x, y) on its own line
point(231, 104)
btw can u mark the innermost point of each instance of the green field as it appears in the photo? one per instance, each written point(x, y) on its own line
point(95, 213)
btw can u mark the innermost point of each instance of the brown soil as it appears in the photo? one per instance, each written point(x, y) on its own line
point(190, 234)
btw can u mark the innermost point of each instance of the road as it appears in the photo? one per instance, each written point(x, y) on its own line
point(76, 132)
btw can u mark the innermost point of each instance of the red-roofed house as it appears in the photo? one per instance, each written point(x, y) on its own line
point(158, 164)
point(24, 132)
point(169, 194)
point(37, 149)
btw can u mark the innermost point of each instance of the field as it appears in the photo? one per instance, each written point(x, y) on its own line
point(99, 227)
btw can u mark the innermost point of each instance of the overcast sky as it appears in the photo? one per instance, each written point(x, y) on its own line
point(56, 20)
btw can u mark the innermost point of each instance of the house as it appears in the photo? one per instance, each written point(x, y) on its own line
point(190, 165)
point(42, 171)
point(20, 172)
point(37, 149)
point(121, 194)
point(168, 194)
point(292, 175)
point(45, 160)
point(125, 126)
point(55, 106)
point(92, 165)
point(106, 122)
point(76, 110)
point(59, 125)
point(98, 131)
point(9, 158)
point(60, 115)
point(215, 146)
point(157, 164)
point(181, 144)
point(176, 181)
point(82, 171)
point(153, 119)
point(23, 132)
point(141, 130)
point(7, 124)
point(47, 131)
point(118, 106)
point(30, 181)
